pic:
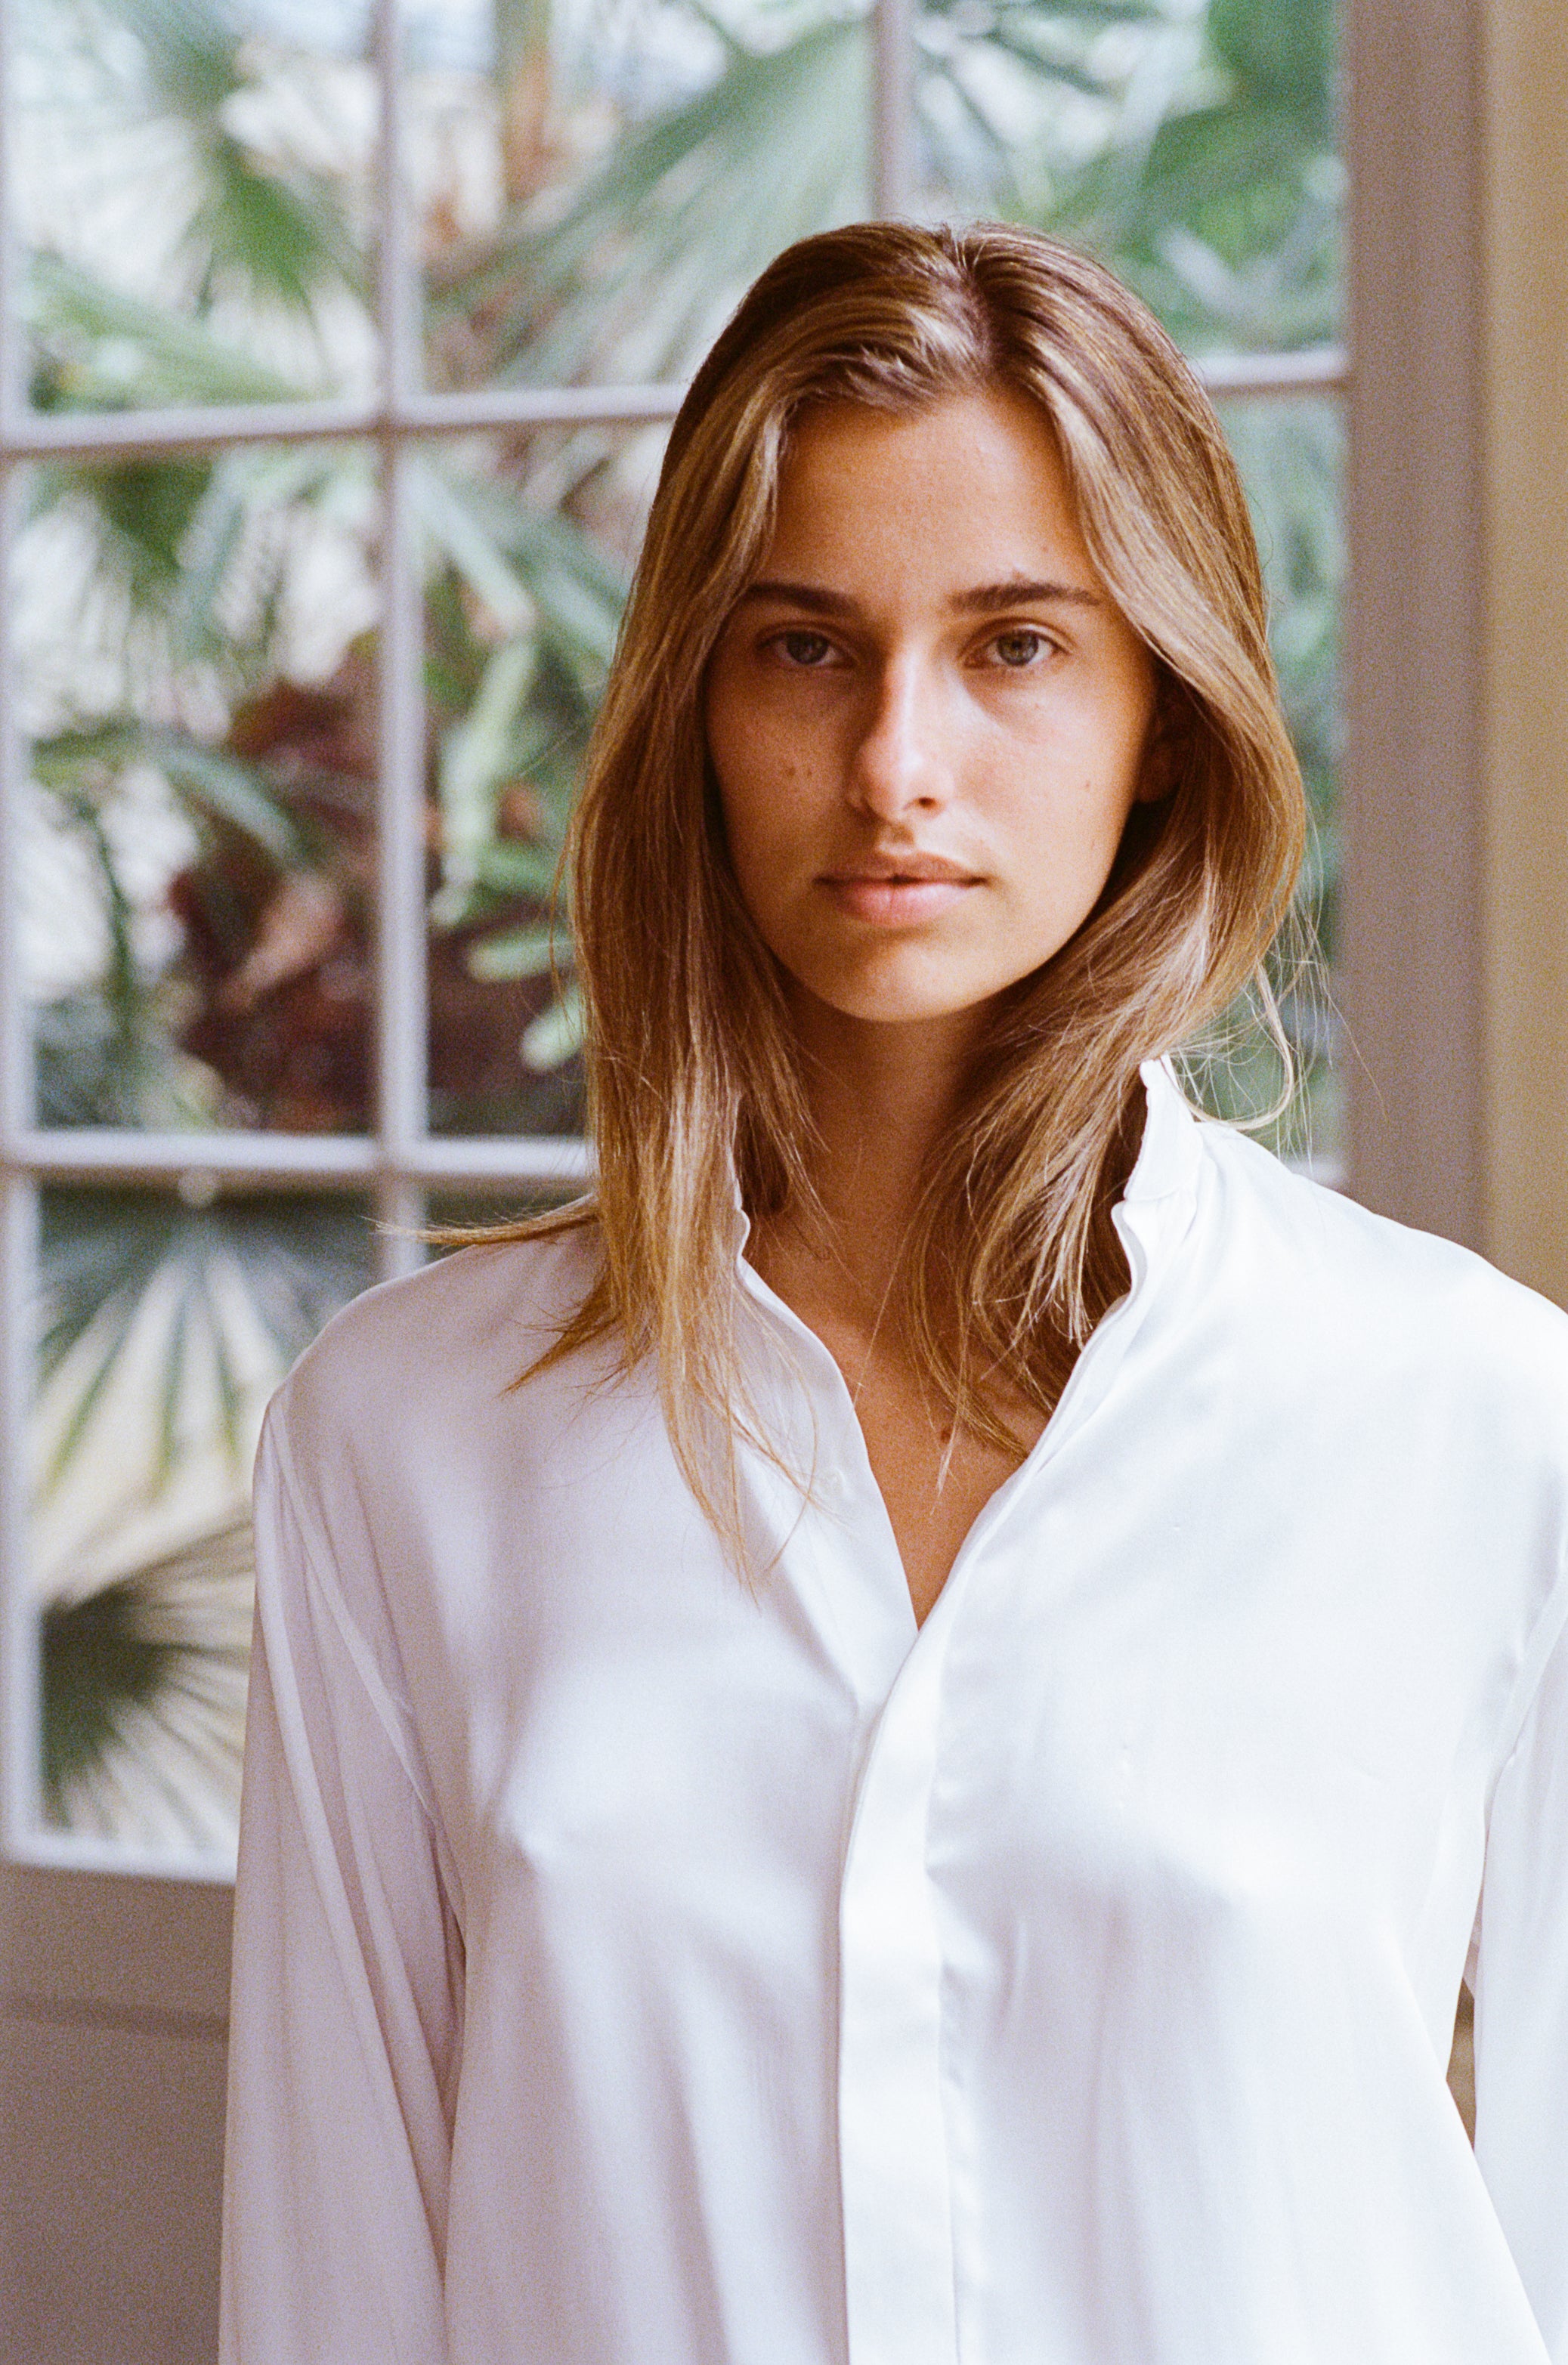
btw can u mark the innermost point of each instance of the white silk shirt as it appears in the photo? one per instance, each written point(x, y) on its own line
point(636, 1969)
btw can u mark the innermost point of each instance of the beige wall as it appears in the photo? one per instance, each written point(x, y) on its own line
point(1456, 920)
point(1525, 701)
point(1411, 947)
point(112, 2028)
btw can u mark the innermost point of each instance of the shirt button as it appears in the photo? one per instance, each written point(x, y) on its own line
point(834, 1487)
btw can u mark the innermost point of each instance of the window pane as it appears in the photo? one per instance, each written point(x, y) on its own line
point(196, 647)
point(597, 184)
point(164, 1323)
point(193, 186)
point(530, 540)
point(1196, 149)
point(1290, 452)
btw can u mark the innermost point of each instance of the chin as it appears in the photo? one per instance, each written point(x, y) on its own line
point(891, 1001)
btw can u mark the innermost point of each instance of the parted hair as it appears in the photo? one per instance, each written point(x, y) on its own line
point(694, 1082)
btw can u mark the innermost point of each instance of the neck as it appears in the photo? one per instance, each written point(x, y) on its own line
point(880, 1096)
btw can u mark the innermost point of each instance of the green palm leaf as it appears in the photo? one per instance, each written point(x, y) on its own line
point(677, 221)
point(84, 327)
point(143, 1695)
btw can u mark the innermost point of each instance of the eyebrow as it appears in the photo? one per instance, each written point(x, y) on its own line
point(980, 599)
point(1020, 592)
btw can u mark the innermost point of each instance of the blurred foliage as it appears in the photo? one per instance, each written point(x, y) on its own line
point(635, 278)
point(299, 1257)
point(158, 1315)
point(639, 190)
point(1226, 214)
point(143, 1697)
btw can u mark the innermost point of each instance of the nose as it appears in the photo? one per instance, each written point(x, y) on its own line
point(899, 764)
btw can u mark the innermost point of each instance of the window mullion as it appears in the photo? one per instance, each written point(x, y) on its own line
point(401, 985)
point(19, 1771)
point(400, 1214)
point(20, 1693)
point(400, 973)
point(892, 107)
point(395, 310)
point(12, 385)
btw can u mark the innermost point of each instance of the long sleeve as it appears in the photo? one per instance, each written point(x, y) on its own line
point(1521, 2001)
point(637, 1965)
point(347, 1991)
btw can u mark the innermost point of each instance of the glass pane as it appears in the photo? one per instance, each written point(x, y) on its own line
point(165, 1321)
point(598, 182)
point(1290, 452)
point(1197, 149)
point(530, 540)
point(195, 645)
point(193, 186)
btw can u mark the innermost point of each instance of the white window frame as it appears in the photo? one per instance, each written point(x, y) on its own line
point(396, 1159)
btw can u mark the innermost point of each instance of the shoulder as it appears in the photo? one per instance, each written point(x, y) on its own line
point(434, 1347)
point(1380, 1293)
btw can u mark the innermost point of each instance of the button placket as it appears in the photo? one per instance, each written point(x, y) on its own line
point(895, 2163)
point(892, 2140)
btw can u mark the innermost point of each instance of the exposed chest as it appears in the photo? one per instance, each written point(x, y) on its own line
point(934, 1485)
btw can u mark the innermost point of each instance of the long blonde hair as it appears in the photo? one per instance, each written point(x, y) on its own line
point(692, 1073)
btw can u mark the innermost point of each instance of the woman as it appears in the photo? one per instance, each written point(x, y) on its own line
point(886, 1744)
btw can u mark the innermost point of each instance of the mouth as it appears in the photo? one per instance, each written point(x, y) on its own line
point(898, 890)
point(901, 870)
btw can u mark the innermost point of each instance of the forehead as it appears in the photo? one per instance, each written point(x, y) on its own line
point(975, 475)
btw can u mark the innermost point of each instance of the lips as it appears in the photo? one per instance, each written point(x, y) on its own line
point(900, 870)
point(898, 890)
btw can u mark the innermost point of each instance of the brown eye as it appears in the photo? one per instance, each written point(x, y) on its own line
point(804, 648)
point(1019, 648)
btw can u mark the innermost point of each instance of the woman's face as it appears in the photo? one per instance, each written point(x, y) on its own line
point(926, 717)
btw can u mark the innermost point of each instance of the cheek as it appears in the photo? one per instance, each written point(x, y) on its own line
point(764, 787)
point(1073, 796)
point(754, 802)
point(1062, 844)
point(753, 805)
point(1098, 767)
point(737, 752)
